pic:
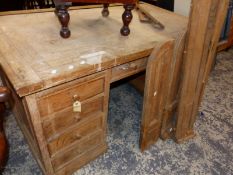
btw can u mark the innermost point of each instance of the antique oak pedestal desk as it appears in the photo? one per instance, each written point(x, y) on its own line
point(60, 88)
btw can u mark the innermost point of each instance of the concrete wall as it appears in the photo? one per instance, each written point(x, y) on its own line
point(182, 7)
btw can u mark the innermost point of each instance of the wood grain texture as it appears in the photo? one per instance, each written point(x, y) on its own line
point(175, 77)
point(205, 24)
point(31, 103)
point(58, 142)
point(125, 70)
point(156, 89)
point(20, 110)
point(52, 103)
point(45, 72)
point(36, 58)
point(66, 118)
point(175, 27)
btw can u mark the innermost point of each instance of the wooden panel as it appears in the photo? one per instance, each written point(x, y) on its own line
point(156, 89)
point(205, 25)
point(168, 123)
point(80, 148)
point(174, 23)
point(139, 82)
point(31, 102)
point(22, 116)
point(125, 70)
point(57, 101)
point(76, 134)
point(67, 117)
point(177, 24)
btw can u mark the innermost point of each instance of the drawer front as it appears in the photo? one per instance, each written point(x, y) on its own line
point(66, 118)
point(80, 148)
point(128, 69)
point(76, 134)
point(62, 99)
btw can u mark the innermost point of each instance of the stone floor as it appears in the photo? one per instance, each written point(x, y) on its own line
point(210, 152)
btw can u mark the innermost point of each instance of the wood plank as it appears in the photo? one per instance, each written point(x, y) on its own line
point(210, 55)
point(156, 89)
point(174, 88)
point(205, 24)
point(179, 26)
point(35, 118)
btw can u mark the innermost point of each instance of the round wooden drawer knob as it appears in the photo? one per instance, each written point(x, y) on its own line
point(77, 118)
point(78, 136)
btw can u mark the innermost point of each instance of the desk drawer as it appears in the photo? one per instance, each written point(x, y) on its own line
point(66, 118)
point(80, 148)
point(125, 70)
point(76, 134)
point(57, 101)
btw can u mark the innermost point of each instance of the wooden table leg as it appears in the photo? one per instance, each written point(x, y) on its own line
point(64, 18)
point(127, 17)
point(105, 11)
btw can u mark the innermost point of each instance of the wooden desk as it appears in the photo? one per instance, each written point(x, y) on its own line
point(47, 74)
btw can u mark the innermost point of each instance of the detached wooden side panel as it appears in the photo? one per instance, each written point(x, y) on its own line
point(174, 88)
point(205, 24)
point(156, 87)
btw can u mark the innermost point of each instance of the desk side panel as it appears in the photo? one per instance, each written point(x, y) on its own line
point(155, 95)
point(23, 119)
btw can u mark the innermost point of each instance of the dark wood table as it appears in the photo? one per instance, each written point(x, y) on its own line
point(64, 17)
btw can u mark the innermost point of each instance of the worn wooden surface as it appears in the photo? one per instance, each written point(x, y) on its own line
point(36, 58)
point(156, 91)
point(63, 143)
point(205, 24)
point(46, 72)
point(175, 27)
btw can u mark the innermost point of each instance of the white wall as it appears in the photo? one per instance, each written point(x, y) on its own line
point(182, 7)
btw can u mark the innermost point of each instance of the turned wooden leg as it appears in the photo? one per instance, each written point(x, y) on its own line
point(105, 11)
point(3, 142)
point(127, 17)
point(64, 18)
point(56, 10)
point(4, 96)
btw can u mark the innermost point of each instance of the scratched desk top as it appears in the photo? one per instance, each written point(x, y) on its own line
point(34, 56)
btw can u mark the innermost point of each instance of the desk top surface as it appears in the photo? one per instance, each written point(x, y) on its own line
point(35, 57)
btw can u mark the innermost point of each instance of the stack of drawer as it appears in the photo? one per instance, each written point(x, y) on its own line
point(72, 136)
